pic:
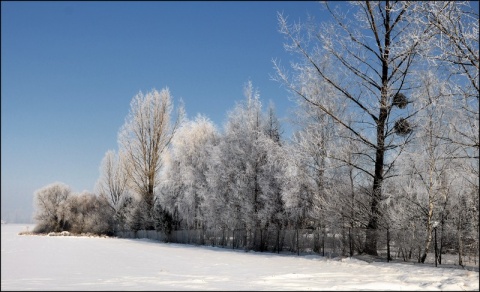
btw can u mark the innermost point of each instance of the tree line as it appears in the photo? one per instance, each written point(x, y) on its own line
point(386, 136)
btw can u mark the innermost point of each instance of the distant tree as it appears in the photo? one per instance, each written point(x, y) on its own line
point(135, 217)
point(164, 220)
point(316, 148)
point(88, 213)
point(144, 137)
point(184, 183)
point(223, 212)
point(465, 215)
point(272, 180)
point(113, 184)
point(270, 177)
point(49, 203)
point(244, 173)
point(273, 127)
point(301, 200)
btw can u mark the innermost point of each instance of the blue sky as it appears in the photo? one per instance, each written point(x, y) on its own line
point(70, 70)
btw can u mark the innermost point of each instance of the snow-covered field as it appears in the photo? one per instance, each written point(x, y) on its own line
point(89, 263)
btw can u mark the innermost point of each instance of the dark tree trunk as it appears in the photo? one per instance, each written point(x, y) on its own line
point(371, 236)
point(149, 202)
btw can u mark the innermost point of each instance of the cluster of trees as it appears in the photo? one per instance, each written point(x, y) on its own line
point(59, 209)
point(386, 136)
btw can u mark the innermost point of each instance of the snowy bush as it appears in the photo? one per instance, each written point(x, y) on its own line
point(58, 210)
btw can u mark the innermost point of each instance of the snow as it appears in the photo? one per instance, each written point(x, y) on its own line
point(96, 263)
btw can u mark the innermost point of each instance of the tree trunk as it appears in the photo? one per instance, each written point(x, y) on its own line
point(388, 246)
point(428, 242)
point(149, 204)
point(371, 232)
point(372, 236)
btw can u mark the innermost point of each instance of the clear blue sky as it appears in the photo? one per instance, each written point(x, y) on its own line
point(70, 69)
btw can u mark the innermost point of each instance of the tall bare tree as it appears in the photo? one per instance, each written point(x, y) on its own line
point(146, 134)
point(366, 59)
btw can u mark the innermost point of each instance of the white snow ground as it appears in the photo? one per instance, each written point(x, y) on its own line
point(92, 263)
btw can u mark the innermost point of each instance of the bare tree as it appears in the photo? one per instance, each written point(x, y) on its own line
point(146, 134)
point(455, 27)
point(366, 59)
point(48, 203)
point(113, 183)
point(429, 156)
point(455, 51)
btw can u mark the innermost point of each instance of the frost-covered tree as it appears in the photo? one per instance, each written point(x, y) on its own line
point(113, 184)
point(314, 145)
point(184, 183)
point(270, 180)
point(223, 211)
point(59, 209)
point(144, 137)
point(365, 56)
point(464, 215)
point(430, 171)
point(301, 200)
point(88, 213)
point(243, 173)
point(429, 157)
point(455, 53)
point(454, 25)
point(49, 206)
point(273, 127)
point(243, 157)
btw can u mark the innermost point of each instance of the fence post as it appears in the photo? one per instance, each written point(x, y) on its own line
point(323, 242)
point(334, 250)
point(298, 248)
point(436, 256)
point(278, 239)
point(388, 245)
point(350, 240)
